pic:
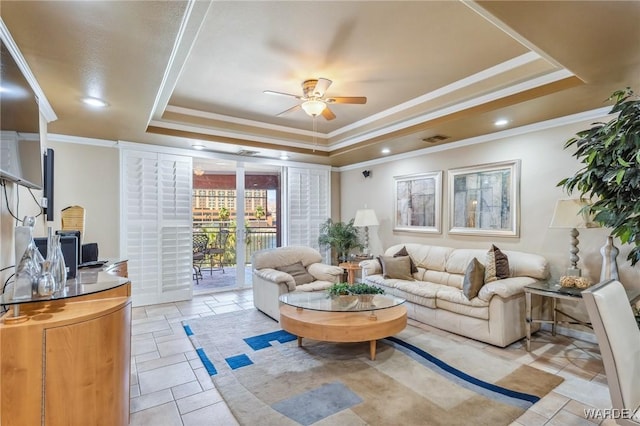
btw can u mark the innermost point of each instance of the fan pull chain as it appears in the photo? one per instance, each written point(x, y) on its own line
point(315, 138)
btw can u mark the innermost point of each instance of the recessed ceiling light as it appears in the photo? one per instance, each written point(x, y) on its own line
point(198, 146)
point(95, 102)
point(501, 122)
point(284, 156)
point(385, 150)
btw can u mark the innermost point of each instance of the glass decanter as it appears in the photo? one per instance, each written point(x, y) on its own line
point(28, 271)
point(46, 283)
point(56, 259)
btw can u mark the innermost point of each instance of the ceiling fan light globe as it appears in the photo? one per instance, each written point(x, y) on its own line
point(314, 107)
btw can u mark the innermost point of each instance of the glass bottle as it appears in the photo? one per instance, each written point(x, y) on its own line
point(28, 271)
point(56, 259)
point(46, 283)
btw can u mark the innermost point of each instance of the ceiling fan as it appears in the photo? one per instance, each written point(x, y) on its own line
point(315, 103)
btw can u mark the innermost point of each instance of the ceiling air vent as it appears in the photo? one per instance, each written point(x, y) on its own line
point(247, 152)
point(435, 138)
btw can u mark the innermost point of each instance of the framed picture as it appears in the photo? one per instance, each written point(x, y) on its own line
point(484, 199)
point(417, 204)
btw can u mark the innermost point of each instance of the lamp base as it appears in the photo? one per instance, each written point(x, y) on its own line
point(574, 272)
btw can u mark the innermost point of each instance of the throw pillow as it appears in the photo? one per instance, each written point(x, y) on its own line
point(298, 272)
point(473, 279)
point(403, 252)
point(396, 267)
point(496, 265)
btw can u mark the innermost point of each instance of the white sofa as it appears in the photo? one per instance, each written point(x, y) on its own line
point(269, 282)
point(435, 297)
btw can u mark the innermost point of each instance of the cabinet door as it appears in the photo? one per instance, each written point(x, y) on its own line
point(87, 371)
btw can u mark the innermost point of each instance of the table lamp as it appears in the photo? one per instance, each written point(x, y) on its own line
point(570, 214)
point(365, 218)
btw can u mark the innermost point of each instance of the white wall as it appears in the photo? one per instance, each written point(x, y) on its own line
point(544, 162)
point(88, 176)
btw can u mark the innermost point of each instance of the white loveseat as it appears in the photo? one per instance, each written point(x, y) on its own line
point(275, 272)
point(435, 297)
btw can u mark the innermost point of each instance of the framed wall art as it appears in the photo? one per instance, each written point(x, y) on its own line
point(485, 199)
point(417, 202)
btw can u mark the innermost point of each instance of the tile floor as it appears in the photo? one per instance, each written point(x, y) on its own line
point(169, 385)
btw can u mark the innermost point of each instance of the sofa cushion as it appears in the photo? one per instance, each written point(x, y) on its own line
point(473, 279)
point(298, 272)
point(496, 265)
point(396, 267)
point(453, 300)
point(403, 252)
point(283, 256)
point(424, 256)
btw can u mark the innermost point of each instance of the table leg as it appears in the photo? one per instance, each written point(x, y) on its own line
point(351, 276)
point(527, 325)
point(372, 349)
point(299, 341)
point(554, 313)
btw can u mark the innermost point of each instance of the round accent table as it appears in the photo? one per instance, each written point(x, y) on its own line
point(343, 318)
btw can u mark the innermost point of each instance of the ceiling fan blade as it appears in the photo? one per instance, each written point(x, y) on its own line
point(321, 86)
point(328, 114)
point(271, 92)
point(347, 100)
point(292, 109)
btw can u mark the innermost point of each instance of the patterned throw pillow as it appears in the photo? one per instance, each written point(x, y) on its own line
point(298, 272)
point(396, 267)
point(473, 279)
point(403, 252)
point(496, 265)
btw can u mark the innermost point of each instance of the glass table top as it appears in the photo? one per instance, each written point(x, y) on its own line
point(321, 301)
point(555, 288)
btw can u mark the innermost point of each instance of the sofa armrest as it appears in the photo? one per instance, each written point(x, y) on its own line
point(371, 267)
point(276, 277)
point(324, 272)
point(505, 288)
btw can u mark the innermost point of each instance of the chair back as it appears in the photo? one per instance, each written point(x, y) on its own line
point(619, 339)
point(200, 243)
point(221, 239)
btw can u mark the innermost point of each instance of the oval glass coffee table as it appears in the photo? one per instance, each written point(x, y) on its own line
point(358, 318)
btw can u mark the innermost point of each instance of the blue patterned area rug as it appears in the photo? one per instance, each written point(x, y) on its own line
point(418, 378)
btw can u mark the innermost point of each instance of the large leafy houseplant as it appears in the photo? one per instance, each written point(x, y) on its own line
point(340, 236)
point(610, 153)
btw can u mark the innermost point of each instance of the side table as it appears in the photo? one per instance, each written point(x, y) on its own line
point(555, 291)
point(350, 268)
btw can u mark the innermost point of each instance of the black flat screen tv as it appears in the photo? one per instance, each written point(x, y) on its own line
point(20, 145)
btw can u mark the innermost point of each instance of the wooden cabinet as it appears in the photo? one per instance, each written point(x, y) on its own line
point(68, 363)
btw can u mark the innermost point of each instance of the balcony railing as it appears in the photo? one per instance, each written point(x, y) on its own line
point(257, 238)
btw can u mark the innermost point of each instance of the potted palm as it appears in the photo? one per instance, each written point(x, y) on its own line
point(341, 237)
point(610, 154)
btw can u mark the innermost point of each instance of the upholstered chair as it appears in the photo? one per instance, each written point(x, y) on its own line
point(619, 340)
point(287, 269)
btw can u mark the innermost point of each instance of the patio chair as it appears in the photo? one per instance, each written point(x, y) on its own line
point(217, 251)
point(200, 251)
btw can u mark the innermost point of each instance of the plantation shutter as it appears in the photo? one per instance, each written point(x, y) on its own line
point(308, 205)
point(156, 226)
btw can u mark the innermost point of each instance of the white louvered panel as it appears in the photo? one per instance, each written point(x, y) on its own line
point(157, 225)
point(143, 249)
point(176, 258)
point(141, 187)
point(308, 204)
point(175, 178)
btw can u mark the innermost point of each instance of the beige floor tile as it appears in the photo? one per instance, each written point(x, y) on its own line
point(139, 347)
point(175, 346)
point(197, 401)
point(165, 415)
point(186, 389)
point(550, 404)
point(531, 418)
point(150, 400)
point(216, 414)
point(580, 410)
point(165, 377)
point(227, 308)
point(159, 362)
point(587, 392)
point(565, 418)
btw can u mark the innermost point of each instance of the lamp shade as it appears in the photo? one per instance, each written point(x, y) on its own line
point(567, 214)
point(314, 107)
point(365, 217)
